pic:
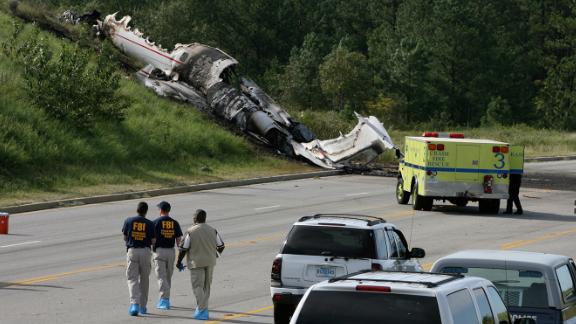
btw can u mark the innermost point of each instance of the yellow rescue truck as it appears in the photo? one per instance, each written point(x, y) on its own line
point(447, 166)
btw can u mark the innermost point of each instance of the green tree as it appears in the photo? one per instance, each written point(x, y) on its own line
point(498, 112)
point(300, 82)
point(344, 78)
point(556, 101)
point(69, 87)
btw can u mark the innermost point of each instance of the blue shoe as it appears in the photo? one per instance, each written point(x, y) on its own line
point(202, 315)
point(196, 312)
point(163, 303)
point(133, 310)
point(143, 310)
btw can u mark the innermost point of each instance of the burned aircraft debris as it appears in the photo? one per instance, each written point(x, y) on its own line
point(204, 76)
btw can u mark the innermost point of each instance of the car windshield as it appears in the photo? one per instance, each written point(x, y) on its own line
point(330, 241)
point(523, 288)
point(366, 307)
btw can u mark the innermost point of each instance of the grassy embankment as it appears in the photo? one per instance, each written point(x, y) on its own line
point(160, 143)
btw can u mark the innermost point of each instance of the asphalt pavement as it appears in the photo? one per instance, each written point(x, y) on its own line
point(67, 265)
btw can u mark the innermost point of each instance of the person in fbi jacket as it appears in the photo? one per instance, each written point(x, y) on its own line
point(139, 237)
point(168, 233)
point(202, 245)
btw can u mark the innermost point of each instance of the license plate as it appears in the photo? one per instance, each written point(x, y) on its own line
point(325, 272)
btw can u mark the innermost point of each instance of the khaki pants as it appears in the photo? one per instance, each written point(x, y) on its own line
point(164, 267)
point(138, 273)
point(201, 279)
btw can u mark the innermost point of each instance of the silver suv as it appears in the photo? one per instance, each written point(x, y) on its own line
point(402, 297)
point(325, 246)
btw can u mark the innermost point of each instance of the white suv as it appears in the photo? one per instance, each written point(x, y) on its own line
point(325, 246)
point(402, 297)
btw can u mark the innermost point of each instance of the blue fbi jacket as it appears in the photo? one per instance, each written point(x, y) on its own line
point(139, 232)
point(167, 230)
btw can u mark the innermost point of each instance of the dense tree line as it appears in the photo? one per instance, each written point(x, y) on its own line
point(449, 62)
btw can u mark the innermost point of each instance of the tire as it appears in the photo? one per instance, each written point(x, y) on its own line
point(283, 313)
point(489, 206)
point(402, 196)
point(421, 202)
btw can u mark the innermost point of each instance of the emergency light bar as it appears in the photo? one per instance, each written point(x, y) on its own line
point(443, 135)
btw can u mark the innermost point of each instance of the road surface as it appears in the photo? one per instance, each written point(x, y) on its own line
point(67, 265)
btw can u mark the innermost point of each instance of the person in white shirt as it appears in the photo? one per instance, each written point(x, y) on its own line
point(202, 246)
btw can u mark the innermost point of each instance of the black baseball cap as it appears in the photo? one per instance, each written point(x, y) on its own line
point(164, 206)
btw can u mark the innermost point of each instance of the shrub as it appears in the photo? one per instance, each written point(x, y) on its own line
point(68, 86)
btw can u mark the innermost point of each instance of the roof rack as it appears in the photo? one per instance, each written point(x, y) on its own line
point(451, 277)
point(370, 220)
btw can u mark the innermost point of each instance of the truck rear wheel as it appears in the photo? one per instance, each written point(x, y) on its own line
point(489, 206)
point(421, 202)
point(402, 196)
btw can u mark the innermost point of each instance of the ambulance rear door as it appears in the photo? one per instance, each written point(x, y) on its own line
point(467, 162)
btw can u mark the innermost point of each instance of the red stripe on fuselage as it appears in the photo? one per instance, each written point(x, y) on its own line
point(152, 50)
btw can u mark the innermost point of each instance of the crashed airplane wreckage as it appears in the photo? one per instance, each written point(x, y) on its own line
point(204, 76)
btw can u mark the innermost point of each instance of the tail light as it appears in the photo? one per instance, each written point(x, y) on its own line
point(276, 269)
point(504, 149)
point(495, 149)
point(440, 147)
point(277, 297)
point(430, 134)
point(456, 135)
point(488, 180)
point(432, 147)
point(376, 267)
point(373, 288)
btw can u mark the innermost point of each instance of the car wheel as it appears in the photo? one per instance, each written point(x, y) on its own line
point(282, 313)
point(402, 196)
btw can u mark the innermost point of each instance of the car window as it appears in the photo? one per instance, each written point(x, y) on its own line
point(328, 240)
point(398, 247)
point(381, 243)
point(498, 306)
point(462, 307)
point(392, 245)
point(485, 310)
point(352, 307)
point(524, 288)
point(566, 282)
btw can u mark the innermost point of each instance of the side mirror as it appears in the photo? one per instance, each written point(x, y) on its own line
point(417, 253)
point(525, 320)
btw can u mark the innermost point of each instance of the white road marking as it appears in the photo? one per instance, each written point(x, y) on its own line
point(357, 194)
point(16, 244)
point(267, 207)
